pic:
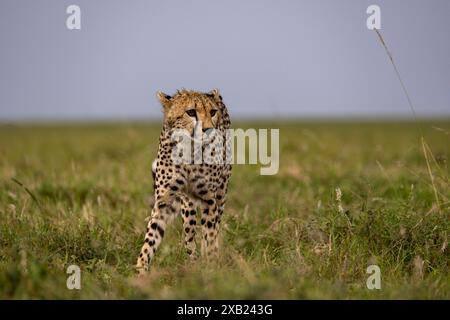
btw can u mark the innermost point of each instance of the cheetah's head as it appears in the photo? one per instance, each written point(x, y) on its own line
point(192, 110)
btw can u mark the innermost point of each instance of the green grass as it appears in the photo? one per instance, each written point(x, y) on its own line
point(85, 192)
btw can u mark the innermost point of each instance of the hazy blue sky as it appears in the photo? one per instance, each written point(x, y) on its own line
point(268, 58)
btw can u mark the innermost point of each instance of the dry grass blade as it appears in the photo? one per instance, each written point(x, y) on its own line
point(414, 114)
point(28, 191)
point(430, 173)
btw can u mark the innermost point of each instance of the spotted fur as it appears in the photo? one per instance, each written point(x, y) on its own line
point(184, 188)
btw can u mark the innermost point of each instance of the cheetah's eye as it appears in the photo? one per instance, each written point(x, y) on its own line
point(213, 113)
point(191, 113)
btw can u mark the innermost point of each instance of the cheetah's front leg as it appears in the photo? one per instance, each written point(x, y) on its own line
point(163, 213)
point(188, 214)
point(210, 228)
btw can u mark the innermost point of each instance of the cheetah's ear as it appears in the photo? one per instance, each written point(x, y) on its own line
point(165, 99)
point(216, 95)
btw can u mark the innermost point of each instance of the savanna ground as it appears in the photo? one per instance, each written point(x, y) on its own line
point(78, 194)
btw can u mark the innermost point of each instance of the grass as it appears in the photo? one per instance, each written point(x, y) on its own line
point(78, 194)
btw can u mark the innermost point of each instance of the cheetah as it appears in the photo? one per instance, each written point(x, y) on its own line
point(182, 188)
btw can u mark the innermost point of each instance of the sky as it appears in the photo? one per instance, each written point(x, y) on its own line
point(269, 59)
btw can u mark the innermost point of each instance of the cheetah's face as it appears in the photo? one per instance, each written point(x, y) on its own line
point(192, 111)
